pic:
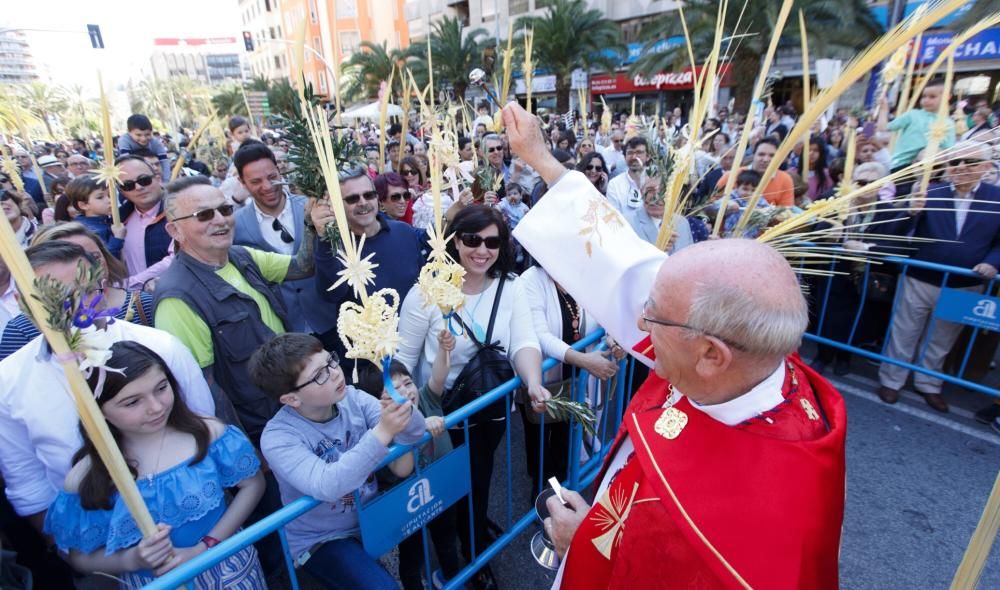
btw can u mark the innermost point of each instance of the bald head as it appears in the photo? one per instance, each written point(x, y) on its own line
point(970, 148)
point(740, 290)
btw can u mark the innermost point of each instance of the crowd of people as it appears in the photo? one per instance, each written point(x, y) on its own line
point(225, 287)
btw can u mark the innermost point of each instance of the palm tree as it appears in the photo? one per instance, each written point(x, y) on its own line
point(82, 114)
point(453, 54)
point(282, 98)
point(12, 111)
point(229, 101)
point(44, 101)
point(569, 37)
point(368, 67)
point(843, 24)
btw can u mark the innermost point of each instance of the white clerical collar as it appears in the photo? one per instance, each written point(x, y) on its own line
point(762, 398)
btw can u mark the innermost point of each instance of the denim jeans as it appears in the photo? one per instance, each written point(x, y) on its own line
point(342, 564)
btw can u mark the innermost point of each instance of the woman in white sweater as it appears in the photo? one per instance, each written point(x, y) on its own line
point(559, 322)
point(482, 245)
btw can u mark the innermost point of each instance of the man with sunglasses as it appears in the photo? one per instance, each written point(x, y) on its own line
point(274, 221)
point(398, 249)
point(613, 153)
point(224, 301)
point(733, 448)
point(492, 147)
point(146, 239)
point(956, 224)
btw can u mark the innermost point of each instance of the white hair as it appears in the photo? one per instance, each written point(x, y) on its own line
point(761, 328)
point(878, 168)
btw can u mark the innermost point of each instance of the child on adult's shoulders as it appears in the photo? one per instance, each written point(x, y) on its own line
point(326, 441)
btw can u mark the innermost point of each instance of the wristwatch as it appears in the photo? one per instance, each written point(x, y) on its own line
point(209, 541)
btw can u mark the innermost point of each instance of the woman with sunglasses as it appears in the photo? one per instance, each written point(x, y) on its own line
point(595, 169)
point(135, 306)
point(482, 245)
point(394, 197)
point(413, 173)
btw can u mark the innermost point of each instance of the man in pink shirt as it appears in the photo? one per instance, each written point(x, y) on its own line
point(146, 238)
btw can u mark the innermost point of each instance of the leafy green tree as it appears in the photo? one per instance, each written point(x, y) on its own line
point(228, 100)
point(44, 101)
point(82, 116)
point(453, 54)
point(845, 24)
point(570, 36)
point(368, 67)
point(282, 97)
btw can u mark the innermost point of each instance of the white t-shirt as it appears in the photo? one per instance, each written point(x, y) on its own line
point(420, 324)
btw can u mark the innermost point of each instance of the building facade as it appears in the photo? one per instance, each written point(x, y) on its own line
point(210, 60)
point(17, 65)
point(262, 19)
point(335, 30)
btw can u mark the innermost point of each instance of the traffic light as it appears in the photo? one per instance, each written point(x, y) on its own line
point(248, 40)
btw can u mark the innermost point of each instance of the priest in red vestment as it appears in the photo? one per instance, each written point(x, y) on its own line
point(728, 470)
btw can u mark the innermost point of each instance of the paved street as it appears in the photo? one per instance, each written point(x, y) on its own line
point(917, 482)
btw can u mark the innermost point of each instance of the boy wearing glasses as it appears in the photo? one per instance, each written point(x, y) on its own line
point(326, 442)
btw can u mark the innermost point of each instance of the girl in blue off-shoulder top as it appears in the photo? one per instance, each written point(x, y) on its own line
point(183, 465)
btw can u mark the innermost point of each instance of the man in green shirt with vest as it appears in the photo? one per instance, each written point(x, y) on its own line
point(224, 301)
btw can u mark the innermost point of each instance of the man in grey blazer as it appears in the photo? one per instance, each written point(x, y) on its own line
point(645, 220)
point(273, 221)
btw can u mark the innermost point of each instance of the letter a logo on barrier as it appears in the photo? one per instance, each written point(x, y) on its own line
point(985, 309)
point(420, 495)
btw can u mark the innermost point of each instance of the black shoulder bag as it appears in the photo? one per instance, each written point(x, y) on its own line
point(488, 369)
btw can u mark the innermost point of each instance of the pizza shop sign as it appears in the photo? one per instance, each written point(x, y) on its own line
point(622, 83)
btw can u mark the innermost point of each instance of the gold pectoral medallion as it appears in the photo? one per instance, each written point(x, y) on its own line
point(670, 423)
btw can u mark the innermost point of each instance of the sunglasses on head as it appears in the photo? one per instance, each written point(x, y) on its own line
point(143, 180)
point(965, 161)
point(286, 236)
point(476, 240)
point(396, 197)
point(205, 215)
point(354, 199)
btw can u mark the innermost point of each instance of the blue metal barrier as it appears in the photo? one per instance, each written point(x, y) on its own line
point(913, 364)
point(580, 476)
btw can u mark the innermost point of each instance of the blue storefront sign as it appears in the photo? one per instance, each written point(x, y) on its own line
point(985, 45)
point(403, 510)
point(971, 309)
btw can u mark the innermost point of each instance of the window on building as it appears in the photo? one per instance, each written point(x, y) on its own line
point(318, 46)
point(539, 4)
point(271, 30)
point(277, 62)
point(267, 5)
point(349, 42)
point(489, 8)
point(322, 82)
point(312, 12)
point(519, 6)
point(348, 9)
